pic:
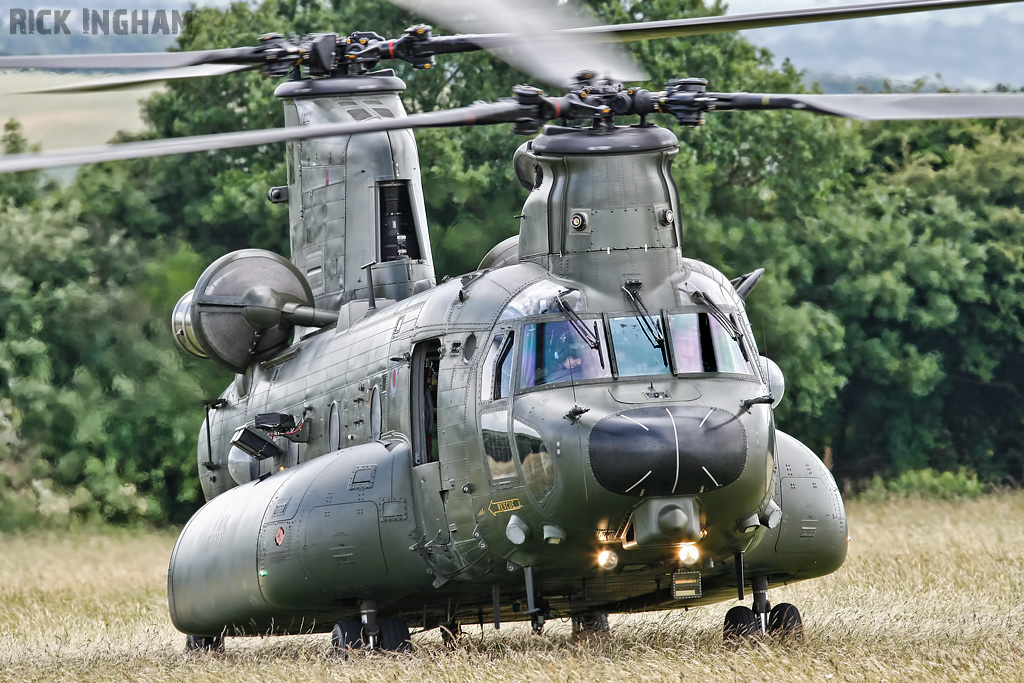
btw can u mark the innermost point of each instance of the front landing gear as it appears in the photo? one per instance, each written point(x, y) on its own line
point(742, 622)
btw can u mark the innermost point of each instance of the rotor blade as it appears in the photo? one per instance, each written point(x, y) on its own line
point(887, 107)
point(476, 114)
point(530, 38)
point(130, 60)
point(676, 28)
point(133, 80)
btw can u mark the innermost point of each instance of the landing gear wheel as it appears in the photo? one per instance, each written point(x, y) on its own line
point(596, 624)
point(741, 623)
point(451, 633)
point(394, 635)
point(784, 620)
point(347, 635)
point(204, 643)
point(537, 623)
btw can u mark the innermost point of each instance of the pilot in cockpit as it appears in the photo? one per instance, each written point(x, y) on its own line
point(566, 362)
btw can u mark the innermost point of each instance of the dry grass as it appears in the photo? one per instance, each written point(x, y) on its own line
point(932, 591)
point(57, 121)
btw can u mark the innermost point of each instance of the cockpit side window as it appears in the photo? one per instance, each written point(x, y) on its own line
point(496, 372)
point(701, 344)
point(635, 351)
point(555, 352)
point(503, 375)
point(728, 355)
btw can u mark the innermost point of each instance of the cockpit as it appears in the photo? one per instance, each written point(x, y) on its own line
point(560, 351)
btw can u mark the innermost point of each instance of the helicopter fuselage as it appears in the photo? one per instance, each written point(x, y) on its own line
point(582, 426)
point(438, 465)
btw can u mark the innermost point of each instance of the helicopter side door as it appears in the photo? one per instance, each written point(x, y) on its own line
point(431, 516)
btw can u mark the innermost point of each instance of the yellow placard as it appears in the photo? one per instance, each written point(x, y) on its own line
point(498, 506)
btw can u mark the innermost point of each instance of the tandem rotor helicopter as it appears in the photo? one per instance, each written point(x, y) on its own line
point(582, 426)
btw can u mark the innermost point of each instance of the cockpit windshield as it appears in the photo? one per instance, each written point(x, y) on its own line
point(701, 344)
point(637, 352)
point(556, 352)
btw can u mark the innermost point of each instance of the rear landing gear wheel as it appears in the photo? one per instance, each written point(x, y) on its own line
point(741, 623)
point(394, 635)
point(596, 624)
point(537, 623)
point(784, 620)
point(204, 643)
point(451, 633)
point(347, 635)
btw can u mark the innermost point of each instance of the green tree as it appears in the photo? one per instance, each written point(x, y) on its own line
point(21, 189)
point(94, 388)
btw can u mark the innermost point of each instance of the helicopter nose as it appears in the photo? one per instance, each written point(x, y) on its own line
point(668, 450)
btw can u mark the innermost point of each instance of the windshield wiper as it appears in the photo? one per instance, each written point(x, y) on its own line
point(718, 314)
point(591, 338)
point(651, 330)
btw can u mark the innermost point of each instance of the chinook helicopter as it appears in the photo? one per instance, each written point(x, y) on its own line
point(582, 426)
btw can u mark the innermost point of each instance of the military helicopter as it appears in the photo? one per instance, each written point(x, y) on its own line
point(582, 426)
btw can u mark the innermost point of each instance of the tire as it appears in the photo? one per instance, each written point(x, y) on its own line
point(740, 623)
point(450, 633)
point(347, 635)
point(594, 624)
point(394, 635)
point(204, 643)
point(785, 620)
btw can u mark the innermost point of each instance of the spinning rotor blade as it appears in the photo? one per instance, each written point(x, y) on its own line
point(894, 107)
point(678, 28)
point(132, 80)
point(131, 60)
point(550, 54)
point(535, 39)
point(476, 114)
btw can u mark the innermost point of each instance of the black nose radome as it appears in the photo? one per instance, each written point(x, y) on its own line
point(668, 450)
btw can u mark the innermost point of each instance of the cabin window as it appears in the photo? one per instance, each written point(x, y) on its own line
point(494, 432)
point(558, 352)
point(538, 468)
point(636, 353)
point(701, 344)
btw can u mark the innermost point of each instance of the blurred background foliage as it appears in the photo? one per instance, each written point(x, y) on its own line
point(892, 300)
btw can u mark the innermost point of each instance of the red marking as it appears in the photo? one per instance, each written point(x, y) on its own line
point(391, 49)
point(558, 108)
point(279, 536)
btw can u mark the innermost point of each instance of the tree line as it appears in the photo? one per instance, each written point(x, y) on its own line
point(892, 298)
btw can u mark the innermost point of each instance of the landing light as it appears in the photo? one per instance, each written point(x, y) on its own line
point(689, 554)
point(607, 559)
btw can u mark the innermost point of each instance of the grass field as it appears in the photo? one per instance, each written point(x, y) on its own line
point(57, 121)
point(931, 591)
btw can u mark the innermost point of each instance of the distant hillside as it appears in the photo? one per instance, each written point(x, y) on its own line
point(840, 84)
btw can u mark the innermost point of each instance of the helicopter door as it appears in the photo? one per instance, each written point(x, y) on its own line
point(431, 517)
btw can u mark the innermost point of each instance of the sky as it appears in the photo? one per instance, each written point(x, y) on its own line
point(970, 48)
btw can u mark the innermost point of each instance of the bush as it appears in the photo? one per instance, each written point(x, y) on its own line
point(925, 483)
